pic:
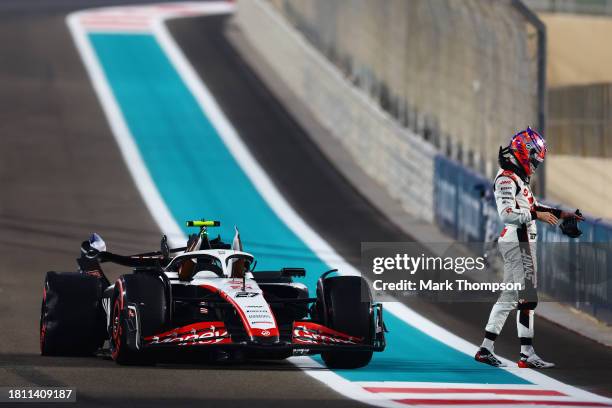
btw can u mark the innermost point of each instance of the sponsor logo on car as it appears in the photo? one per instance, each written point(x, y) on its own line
point(239, 286)
point(246, 294)
point(321, 335)
point(209, 335)
point(94, 273)
point(258, 315)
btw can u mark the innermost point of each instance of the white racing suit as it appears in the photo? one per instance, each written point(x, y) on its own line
point(517, 244)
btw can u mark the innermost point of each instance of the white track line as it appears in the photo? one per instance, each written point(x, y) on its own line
point(131, 155)
point(268, 191)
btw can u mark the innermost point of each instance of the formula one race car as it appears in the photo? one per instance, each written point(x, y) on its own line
point(206, 296)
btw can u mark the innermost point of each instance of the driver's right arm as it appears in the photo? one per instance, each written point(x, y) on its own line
point(505, 199)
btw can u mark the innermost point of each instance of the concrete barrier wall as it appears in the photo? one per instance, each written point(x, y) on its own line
point(399, 160)
point(464, 75)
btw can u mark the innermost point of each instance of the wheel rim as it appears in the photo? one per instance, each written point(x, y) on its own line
point(116, 330)
point(43, 323)
point(43, 329)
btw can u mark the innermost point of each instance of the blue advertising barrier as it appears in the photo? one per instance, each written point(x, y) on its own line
point(463, 202)
point(577, 272)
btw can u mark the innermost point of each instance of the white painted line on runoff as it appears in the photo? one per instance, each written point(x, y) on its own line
point(266, 188)
point(415, 384)
point(452, 340)
point(349, 389)
point(137, 19)
point(131, 155)
point(240, 152)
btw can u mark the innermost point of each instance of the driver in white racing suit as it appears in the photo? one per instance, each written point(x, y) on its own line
point(519, 211)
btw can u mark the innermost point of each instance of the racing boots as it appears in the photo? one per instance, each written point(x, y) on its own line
point(485, 356)
point(533, 361)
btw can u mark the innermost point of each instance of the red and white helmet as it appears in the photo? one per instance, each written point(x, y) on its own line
point(529, 149)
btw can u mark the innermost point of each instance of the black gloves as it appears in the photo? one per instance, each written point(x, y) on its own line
point(569, 226)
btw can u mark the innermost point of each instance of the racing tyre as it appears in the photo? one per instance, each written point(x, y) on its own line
point(346, 308)
point(71, 318)
point(146, 296)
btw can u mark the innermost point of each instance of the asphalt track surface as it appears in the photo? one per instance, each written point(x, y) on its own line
point(62, 177)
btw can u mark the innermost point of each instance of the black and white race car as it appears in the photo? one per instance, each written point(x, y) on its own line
point(206, 296)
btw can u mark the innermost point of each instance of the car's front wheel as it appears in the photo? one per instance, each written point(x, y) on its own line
point(347, 309)
point(138, 309)
point(120, 351)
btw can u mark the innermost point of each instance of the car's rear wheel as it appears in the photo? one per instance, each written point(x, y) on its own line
point(347, 309)
point(71, 317)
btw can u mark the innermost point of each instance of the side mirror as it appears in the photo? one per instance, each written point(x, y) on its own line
point(93, 246)
point(97, 243)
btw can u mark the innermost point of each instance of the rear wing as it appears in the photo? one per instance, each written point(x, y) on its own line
point(93, 251)
point(91, 257)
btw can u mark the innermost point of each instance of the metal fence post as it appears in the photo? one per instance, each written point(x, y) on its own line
point(541, 61)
